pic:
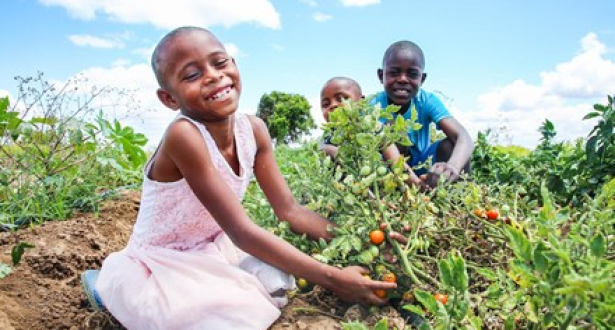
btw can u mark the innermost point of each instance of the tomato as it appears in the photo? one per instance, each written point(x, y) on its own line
point(380, 293)
point(302, 284)
point(374, 250)
point(365, 170)
point(389, 277)
point(407, 227)
point(408, 296)
point(493, 214)
point(376, 236)
point(441, 298)
point(479, 213)
point(381, 269)
point(381, 170)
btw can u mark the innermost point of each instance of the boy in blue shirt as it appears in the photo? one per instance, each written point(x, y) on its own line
point(402, 75)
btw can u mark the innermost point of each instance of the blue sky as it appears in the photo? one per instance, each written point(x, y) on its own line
point(499, 63)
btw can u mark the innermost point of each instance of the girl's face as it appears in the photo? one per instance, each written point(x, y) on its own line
point(200, 78)
point(402, 76)
point(334, 93)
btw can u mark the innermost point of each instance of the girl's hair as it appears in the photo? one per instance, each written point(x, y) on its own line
point(155, 61)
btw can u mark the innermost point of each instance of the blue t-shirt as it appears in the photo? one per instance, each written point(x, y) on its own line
point(429, 109)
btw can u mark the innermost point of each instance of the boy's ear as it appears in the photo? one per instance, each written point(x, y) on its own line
point(380, 75)
point(423, 77)
point(167, 99)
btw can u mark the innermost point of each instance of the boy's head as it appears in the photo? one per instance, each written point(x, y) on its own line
point(335, 91)
point(196, 74)
point(402, 73)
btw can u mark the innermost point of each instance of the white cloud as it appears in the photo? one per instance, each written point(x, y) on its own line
point(95, 42)
point(359, 3)
point(171, 14)
point(320, 17)
point(310, 3)
point(232, 50)
point(564, 96)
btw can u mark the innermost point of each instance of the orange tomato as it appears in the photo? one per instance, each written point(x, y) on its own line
point(389, 277)
point(493, 214)
point(376, 236)
point(441, 298)
point(380, 293)
point(479, 213)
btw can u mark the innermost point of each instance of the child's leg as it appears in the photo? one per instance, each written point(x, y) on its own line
point(444, 152)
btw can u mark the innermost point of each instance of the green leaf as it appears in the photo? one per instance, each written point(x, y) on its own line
point(486, 273)
point(383, 324)
point(598, 246)
point(4, 103)
point(540, 261)
point(414, 309)
point(18, 250)
point(460, 274)
point(591, 115)
point(509, 324)
point(427, 300)
point(520, 244)
point(354, 326)
point(446, 275)
point(5, 269)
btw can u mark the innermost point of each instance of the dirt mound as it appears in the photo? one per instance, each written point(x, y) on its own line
point(44, 290)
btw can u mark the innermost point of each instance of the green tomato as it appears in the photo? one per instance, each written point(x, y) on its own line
point(366, 170)
point(374, 250)
point(381, 170)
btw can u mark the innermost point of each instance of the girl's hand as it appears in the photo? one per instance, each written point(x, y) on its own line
point(351, 286)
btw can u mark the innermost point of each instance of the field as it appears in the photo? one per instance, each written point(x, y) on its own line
point(526, 243)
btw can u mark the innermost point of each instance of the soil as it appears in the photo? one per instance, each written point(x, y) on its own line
point(44, 290)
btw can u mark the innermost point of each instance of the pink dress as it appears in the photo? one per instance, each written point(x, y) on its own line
point(180, 270)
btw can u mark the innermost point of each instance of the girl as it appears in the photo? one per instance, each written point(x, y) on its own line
point(185, 265)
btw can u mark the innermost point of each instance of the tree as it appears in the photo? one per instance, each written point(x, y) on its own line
point(287, 116)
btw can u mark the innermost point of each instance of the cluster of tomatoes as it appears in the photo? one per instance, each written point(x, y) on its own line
point(491, 214)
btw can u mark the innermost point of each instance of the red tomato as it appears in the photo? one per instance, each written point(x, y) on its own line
point(380, 293)
point(441, 298)
point(492, 214)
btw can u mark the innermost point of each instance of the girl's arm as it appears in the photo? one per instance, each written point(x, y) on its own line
point(184, 147)
point(301, 219)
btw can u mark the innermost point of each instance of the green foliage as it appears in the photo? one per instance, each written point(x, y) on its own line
point(547, 267)
point(55, 155)
point(571, 170)
point(287, 116)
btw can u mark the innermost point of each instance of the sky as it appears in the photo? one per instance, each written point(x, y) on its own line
point(500, 65)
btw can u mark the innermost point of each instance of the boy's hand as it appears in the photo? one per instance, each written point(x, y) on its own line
point(441, 169)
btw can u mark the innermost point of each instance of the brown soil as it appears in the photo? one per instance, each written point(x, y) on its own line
point(44, 291)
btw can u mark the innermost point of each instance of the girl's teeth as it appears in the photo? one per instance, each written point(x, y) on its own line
point(221, 94)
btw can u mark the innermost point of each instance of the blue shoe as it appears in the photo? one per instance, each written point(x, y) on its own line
point(88, 283)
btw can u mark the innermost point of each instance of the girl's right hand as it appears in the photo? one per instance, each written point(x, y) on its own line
point(352, 286)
